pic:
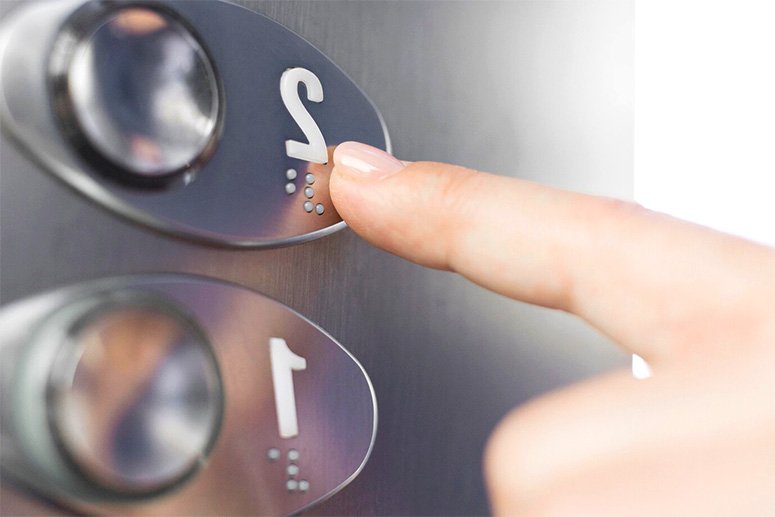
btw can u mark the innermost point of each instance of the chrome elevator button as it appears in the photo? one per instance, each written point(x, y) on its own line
point(109, 395)
point(134, 396)
point(119, 395)
point(107, 95)
point(136, 92)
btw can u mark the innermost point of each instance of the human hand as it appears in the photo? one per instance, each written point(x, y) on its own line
point(698, 438)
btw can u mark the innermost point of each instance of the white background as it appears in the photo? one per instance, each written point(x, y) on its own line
point(705, 112)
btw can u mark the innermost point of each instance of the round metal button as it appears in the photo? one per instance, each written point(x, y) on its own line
point(135, 396)
point(136, 92)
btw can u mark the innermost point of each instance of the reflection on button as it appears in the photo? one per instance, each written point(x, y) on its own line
point(136, 396)
point(140, 94)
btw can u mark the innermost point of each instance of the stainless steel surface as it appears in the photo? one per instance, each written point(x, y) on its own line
point(536, 90)
point(138, 92)
point(131, 349)
point(239, 196)
point(134, 397)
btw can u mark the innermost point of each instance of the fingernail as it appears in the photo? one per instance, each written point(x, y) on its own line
point(366, 160)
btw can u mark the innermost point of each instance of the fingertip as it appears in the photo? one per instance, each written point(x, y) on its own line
point(340, 150)
point(357, 159)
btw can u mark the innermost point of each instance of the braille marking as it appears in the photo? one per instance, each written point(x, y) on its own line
point(290, 174)
point(273, 454)
point(308, 206)
point(319, 209)
point(309, 178)
point(293, 470)
point(291, 485)
point(293, 455)
point(309, 192)
point(303, 485)
point(290, 188)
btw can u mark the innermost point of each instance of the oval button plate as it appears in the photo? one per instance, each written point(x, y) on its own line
point(257, 186)
point(258, 464)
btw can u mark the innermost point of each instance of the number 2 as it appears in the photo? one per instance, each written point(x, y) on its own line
point(284, 363)
point(315, 151)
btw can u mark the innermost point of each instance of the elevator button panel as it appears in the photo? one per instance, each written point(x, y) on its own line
point(200, 119)
point(178, 395)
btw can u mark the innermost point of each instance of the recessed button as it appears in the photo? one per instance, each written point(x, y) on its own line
point(140, 95)
point(135, 395)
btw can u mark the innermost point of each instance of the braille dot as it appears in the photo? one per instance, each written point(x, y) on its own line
point(319, 209)
point(291, 485)
point(293, 470)
point(308, 206)
point(273, 454)
point(290, 188)
point(303, 485)
point(309, 178)
point(293, 455)
point(290, 174)
point(309, 192)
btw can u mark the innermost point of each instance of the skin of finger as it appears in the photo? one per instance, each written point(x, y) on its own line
point(652, 283)
point(442, 216)
point(693, 441)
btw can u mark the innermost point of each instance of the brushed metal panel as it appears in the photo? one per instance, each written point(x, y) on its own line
point(540, 90)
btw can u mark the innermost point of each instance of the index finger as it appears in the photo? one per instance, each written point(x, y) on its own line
point(655, 284)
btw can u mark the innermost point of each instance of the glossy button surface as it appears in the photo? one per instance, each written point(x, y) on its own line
point(137, 92)
point(135, 397)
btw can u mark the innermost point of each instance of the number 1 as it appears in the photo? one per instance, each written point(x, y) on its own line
point(284, 362)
